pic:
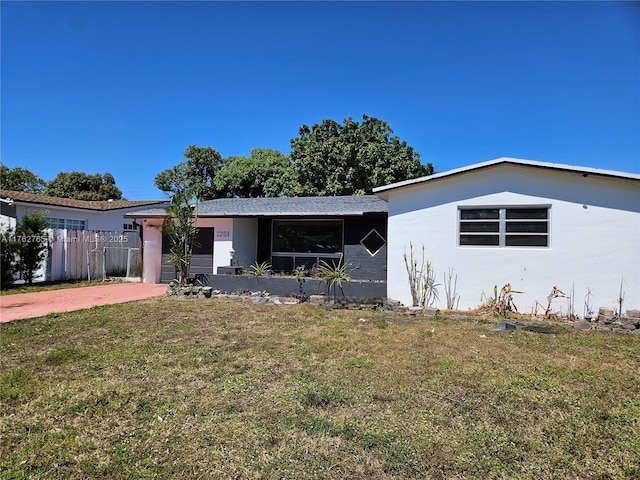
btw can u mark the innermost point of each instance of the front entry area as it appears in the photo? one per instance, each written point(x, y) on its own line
point(201, 260)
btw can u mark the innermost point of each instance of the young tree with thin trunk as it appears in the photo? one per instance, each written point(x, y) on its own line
point(30, 244)
point(180, 226)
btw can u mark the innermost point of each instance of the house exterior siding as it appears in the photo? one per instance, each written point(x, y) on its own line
point(364, 265)
point(594, 236)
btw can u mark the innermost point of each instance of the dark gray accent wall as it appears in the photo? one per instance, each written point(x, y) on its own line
point(168, 270)
point(201, 259)
point(365, 266)
point(289, 286)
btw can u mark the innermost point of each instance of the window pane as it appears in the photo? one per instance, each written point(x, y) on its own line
point(527, 227)
point(282, 264)
point(526, 240)
point(479, 227)
point(313, 237)
point(55, 222)
point(480, 240)
point(307, 262)
point(74, 224)
point(527, 213)
point(480, 214)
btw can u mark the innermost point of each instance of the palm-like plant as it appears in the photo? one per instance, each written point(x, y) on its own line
point(260, 269)
point(335, 274)
point(181, 228)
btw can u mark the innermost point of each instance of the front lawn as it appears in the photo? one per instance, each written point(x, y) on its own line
point(223, 388)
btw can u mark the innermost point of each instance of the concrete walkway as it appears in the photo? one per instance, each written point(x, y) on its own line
point(30, 305)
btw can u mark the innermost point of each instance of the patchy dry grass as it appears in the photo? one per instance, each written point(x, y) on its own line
point(221, 388)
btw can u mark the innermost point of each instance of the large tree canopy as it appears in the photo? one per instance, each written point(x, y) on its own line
point(82, 186)
point(327, 159)
point(196, 175)
point(352, 158)
point(262, 174)
point(21, 180)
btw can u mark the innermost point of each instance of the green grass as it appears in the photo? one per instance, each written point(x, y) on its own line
point(222, 388)
point(46, 286)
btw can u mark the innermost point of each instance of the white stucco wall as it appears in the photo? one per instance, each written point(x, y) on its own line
point(222, 239)
point(245, 240)
point(110, 220)
point(594, 236)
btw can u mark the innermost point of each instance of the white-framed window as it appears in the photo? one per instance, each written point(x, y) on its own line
point(66, 223)
point(515, 226)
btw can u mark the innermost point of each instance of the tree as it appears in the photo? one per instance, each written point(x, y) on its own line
point(262, 174)
point(81, 186)
point(30, 244)
point(181, 228)
point(197, 174)
point(7, 256)
point(21, 180)
point(174, 180)
point(350, 158)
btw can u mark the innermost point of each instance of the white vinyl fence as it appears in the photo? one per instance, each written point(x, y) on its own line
point(90, 255)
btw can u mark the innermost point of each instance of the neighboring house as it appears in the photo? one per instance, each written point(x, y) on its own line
point(76, 250)
point(7, 213)
point(287, 232)
point(70, 214)
point(531, 224)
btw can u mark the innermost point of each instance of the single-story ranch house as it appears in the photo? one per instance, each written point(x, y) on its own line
point(286, 232)
point(530, 224)
point(71, 214)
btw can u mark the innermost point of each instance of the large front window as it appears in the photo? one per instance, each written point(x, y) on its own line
point(307, 236)
point(66, 223)
point(305, 242)
point(504, 227)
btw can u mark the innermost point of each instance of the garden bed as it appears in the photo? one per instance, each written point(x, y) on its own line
point(363, 291)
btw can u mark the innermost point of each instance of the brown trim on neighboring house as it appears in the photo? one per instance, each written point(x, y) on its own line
point(97, 205)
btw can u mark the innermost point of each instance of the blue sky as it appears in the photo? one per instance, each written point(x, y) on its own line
point(125, 87)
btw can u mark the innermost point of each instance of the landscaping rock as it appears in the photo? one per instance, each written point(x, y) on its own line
point(602, 328)
point(582, 325)
point(317, 299)
point(505, 327)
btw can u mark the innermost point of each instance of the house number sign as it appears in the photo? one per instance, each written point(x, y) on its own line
point(223, 234)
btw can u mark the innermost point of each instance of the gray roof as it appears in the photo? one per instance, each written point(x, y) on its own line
point(513, 161)
point(281, 207)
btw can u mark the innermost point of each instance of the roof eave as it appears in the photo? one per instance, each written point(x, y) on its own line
point(512, 161)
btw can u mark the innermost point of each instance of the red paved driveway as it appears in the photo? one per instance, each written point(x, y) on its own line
point(29, 305)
